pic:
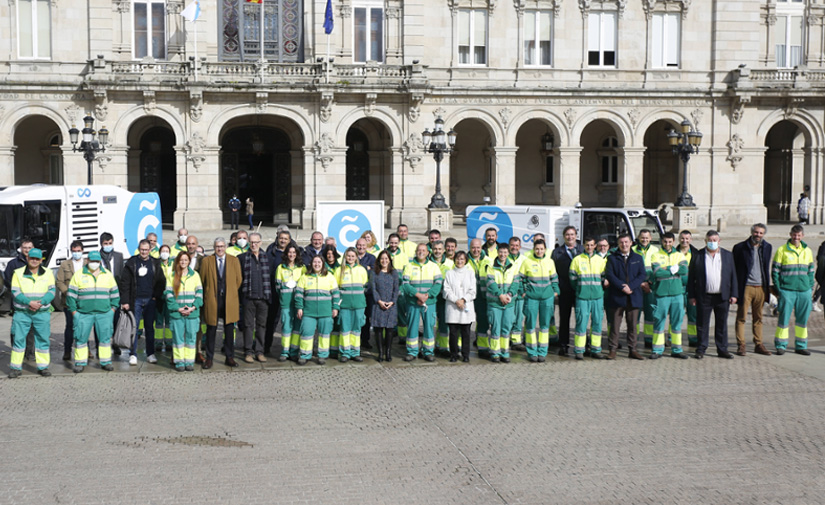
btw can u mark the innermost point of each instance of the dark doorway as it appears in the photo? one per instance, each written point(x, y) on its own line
point(157, 169)
point(358, 166)
point(256, 163)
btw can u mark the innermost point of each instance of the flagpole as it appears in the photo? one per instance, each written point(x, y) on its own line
point(195, 27)
point(328, 63)
point(262, 35)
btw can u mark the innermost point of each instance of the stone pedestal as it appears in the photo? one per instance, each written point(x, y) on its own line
point(684, 218)
point(439, 219)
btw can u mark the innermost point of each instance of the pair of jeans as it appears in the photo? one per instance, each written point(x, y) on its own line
point(145, 309)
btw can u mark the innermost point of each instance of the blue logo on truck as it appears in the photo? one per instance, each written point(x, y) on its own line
point(347, 227)
point(142, 217)
point(489, 216)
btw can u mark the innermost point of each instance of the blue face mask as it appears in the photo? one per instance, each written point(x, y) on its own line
point(77, 256)
point(108, 248)
point(712, 246)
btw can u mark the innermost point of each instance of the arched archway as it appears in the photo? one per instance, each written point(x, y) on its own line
point(38, 157)
point(536, 164)
point(471, 165)
point(600, 166)
point(152, 165)
point(369, 162)
point(787, 169)
point(261, 158)
point(662, 171)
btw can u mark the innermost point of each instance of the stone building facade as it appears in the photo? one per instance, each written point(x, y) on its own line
point(196, 112)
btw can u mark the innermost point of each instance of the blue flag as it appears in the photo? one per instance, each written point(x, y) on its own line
point(328, 25)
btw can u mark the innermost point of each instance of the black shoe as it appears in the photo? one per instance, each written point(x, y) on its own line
point(542, 359)
point(409, 357)
point(357, 359)
point(189, 368)
point(67, 356)
point(15, 374)
point(519, 347)
point(563, 351)
point(495, 359)
point(429, 357)
point(803, 352)
point(366, 345)
point(78, 369)
point(180, 369)
point(207, 364)
point(699, 355)
point(342, 359)
point(466, 360)
point(453, 360)
point(505, 360)
point(322, 361)
point(301, 362)
point(597, 355)
point(654, 355)
point(108, 367)
point(388, 356)
point(579, 356)
point(679, 355)
point(230, 362)
point(724, 354)
point(779, 351)
point(282, 358)
point(533, 359)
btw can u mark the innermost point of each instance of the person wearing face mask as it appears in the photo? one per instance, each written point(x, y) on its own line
point(712, 289)
point(33, 290)
point(752, 258)
point(163, 330)
point(92, 298)
point(64, 276)
point(112, 261)
point(141, 291)
point(241, 244)
point(180, 245)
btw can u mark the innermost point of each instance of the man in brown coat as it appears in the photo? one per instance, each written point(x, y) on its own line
point(221, 277)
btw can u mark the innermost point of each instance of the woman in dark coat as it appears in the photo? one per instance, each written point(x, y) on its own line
point(383, 288)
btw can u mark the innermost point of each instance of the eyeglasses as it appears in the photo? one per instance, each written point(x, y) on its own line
point(255, 242)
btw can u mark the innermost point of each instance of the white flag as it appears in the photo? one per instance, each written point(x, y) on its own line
point(192, 11)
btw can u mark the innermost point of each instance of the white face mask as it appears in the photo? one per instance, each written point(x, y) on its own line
point(93, 265)
point(164, 255)
point(712, 246)
point(242, 242)
point(182, 239)
point(77, 256)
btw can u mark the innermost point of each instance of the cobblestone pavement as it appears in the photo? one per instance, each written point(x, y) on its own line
point(668, 431)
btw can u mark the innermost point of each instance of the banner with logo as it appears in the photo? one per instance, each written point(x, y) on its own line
point(346, 221)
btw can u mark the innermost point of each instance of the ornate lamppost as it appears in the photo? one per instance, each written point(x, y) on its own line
point(89, 146)
point(684, 144)
point(438, 142)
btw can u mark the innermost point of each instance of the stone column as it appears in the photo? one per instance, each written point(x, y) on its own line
point(631, 176)
point(7, 166)
point(567, 184)
point(326, 180)
point(817, 195)
point(297, 160)
point(307, 218)
point(505, 174)
point(110, 167)
point(198, 189)
point(397, 187)
point(797, 179)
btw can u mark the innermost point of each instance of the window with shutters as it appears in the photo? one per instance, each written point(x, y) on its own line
point(666, 40)
point(601, 38)
point(34, 29)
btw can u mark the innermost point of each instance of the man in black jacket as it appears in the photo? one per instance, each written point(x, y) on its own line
point(712, 289)
point(562, 256)
point(752, 258)
point(141, 286)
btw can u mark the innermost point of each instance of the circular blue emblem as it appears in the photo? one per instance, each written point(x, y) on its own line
point(347, 227)
point(142, 217)
point(489, 216)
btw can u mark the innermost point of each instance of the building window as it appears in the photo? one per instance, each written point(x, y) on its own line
point(610, 160)
point(34, 29)
point(665, 48)
point(240, 28)
point(548, 170)
point(601, 39)
point(538, 31)
point(788, 41)
point(472, 37)
point(368, 34)
point(150, 29)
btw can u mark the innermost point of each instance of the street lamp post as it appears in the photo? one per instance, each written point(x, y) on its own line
point(684, 144)
point(438, 142)
point(89, 146)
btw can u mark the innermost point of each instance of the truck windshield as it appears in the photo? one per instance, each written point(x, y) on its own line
point(651, 223)
point(42, 224)
point(11, 226)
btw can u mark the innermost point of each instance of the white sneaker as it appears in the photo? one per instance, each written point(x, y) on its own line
point(151, 359)
point(133, 360)
point(817, 308)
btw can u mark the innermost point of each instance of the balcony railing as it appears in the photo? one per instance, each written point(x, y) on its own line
point(780, 78)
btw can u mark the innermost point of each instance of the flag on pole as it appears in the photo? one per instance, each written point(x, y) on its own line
point(328, 24)
point(192, 11)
